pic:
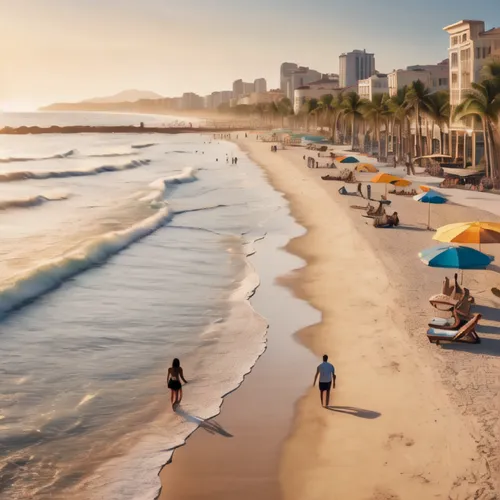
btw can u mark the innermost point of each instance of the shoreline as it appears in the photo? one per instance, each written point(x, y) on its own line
point(269, 391)
point(398, 409)
point(118, 129)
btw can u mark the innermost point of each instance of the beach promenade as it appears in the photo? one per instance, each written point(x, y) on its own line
point(409, 420)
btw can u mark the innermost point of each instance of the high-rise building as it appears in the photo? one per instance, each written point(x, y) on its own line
point(190, 100)
point(471, 47)
point(241, 88)
point(260, 85)
point(354, 66)
point(222, 97)
point(300, 77)
point(286, 70)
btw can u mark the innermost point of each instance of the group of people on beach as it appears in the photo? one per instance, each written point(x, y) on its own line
point(325, 372)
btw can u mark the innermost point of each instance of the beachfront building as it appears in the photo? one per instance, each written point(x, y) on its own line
point(316, 90)
point(241, 88)
point(218, 98)
point(471, 47)
point(376, 84)
point(190, 100)
point(261, 98)
point(354, 66)
point(286, 70)
point(434, 76)
point(260, 85)
point(300, 77)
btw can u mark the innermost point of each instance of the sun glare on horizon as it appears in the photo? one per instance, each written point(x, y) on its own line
point(17, 105)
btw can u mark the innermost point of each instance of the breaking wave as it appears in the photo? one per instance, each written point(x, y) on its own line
point(14, 159)
point(31, 201)
point(49, 174)
point(159, 186)
point(142, 146)
point(26, 287)
point(112, 155)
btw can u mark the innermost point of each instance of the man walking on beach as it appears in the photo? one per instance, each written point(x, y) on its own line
point(326, 373)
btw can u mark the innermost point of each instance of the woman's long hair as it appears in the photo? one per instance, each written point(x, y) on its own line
point(176, 363)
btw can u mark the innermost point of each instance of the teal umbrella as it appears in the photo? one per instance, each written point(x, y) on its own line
point(430, 197)
point(350, 159)
point(455, 257)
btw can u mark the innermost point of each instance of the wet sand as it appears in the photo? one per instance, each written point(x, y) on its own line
point(409, 420)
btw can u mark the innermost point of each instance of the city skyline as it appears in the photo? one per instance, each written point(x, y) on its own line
point(69, 52)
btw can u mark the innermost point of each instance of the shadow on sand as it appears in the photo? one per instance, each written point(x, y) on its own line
point(355, 412)
point(413, 228)
point(488, 347)
point(210, 426)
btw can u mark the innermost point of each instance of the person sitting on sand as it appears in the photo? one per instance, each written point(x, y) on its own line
point(326, 373)
point(174, 377)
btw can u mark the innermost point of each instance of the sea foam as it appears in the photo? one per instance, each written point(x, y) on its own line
point(27, 286)
point(49, 174)
point(31, 201)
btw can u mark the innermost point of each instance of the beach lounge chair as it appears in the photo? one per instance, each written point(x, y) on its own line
point(343, 190)
point(447, 287)
point(466, 334)
point(460, 314)
point(452, 323)
point(461, 307)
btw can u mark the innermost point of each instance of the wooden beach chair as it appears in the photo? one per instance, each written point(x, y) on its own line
point(466, 334)
point(447, 287)
point(460, 314)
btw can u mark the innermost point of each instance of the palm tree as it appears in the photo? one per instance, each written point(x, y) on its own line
point(325, 108)
point(417, 99)
point(483, 101)
point(352, 107)
point(376, 111)
point(438, 110)
point(284, 108)
point(309, 108)
point(398, 110)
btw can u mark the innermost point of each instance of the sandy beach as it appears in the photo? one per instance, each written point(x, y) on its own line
point(409, 420)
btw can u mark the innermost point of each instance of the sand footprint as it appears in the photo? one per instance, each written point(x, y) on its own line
point(399, 438)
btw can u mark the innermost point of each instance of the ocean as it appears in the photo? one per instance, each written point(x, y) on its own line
point(119, 253)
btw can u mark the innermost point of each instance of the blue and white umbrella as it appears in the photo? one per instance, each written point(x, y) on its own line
point(455, 257)
point(430, 197)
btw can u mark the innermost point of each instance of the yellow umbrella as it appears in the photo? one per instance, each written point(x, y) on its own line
point(383, 178)
point(366, 167)
point(425, 189)
point(469, 232)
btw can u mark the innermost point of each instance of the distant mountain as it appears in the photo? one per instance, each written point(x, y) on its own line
point(125, 96)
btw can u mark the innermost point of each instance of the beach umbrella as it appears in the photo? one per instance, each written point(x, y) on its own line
point(340, 158)
point(430, 197)
point(382, 178)
point(469, 232)
point(366, 167)
point(349, 159)
point(455, 257)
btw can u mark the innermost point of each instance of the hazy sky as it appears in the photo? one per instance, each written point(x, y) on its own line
point(73, 49)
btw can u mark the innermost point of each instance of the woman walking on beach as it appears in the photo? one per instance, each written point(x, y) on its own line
point(174, 377)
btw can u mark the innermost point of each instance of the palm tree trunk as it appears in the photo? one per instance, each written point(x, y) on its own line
point(486, 148)
point(491, 141)
point(379, 153)
point(353, 131)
